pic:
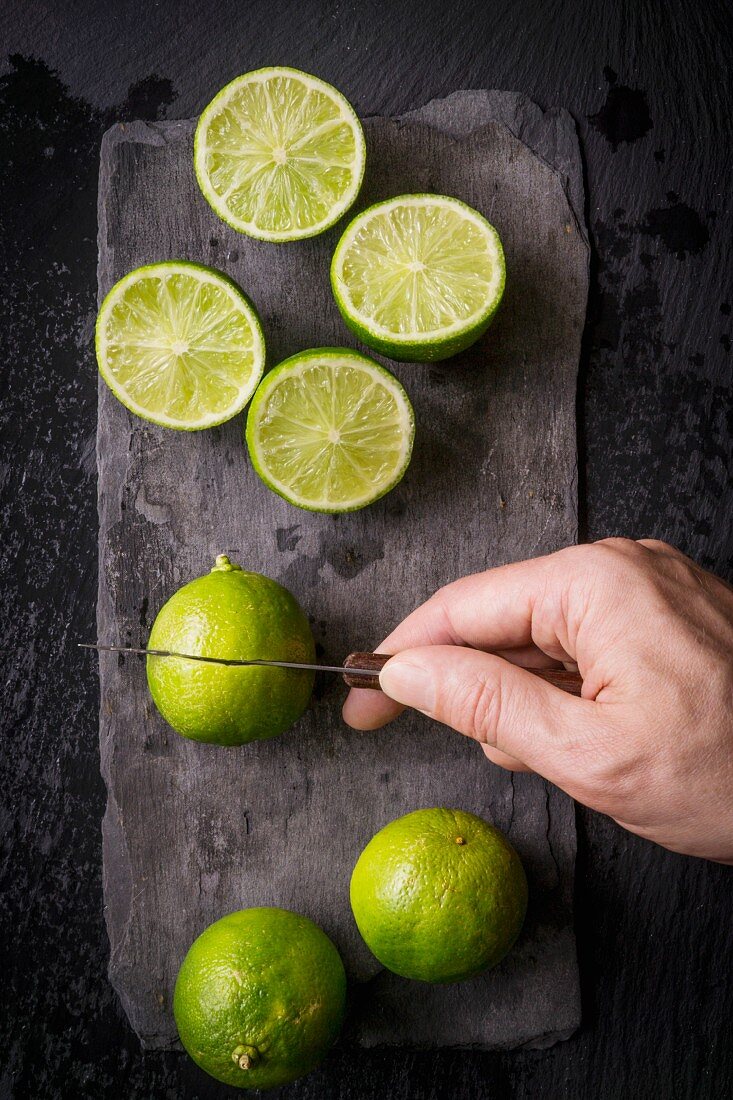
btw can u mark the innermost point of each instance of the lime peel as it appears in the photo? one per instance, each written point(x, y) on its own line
point(231, 613)
point(277, 1021)
point(439, 895)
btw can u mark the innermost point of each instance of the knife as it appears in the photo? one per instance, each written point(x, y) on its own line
point(358, 670)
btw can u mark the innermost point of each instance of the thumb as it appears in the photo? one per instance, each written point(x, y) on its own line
point(497, 703)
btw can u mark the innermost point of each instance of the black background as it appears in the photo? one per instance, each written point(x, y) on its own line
point(650, 87)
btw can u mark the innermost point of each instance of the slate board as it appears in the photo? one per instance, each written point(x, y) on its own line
point(192, 832)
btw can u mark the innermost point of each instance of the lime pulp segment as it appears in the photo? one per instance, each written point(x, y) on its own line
point(279, 154)
point(180, 345)
point(330, 430)
point(419, 276)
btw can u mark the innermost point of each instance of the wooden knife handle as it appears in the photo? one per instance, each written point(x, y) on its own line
point(376, 661)
point(559, 677)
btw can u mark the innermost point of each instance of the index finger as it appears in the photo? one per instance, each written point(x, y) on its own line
point(490, 610)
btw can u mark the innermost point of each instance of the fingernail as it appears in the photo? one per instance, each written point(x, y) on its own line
point(409, 684)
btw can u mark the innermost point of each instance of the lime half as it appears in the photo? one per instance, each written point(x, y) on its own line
point(180, 345)
point(419, 277)
point(279, 154)
point(330, 430)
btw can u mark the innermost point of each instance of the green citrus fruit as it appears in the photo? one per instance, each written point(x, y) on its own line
point(418, 277)
point(330, 430)
point(179, 344)
point(260, 998)
point(279, 154)
point(236, 615)
point(439, 895)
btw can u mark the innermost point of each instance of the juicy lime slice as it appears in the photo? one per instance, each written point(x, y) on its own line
point(330, 430)
point(279, 154)
point(419, 276)
point(180, 345)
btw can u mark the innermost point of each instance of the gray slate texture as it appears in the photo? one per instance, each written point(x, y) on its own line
point(194, 831)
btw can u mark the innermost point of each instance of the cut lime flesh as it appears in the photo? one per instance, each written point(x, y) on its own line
point(419, 276)
point(330, 430)
point(180, 345)
point(279, 154)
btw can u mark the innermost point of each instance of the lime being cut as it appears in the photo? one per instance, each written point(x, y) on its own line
point(279, 154)
point(179, 344)
point(439, 895)
point(330, 430)
point(260, 998)
point(238, 615)
point(419, 277)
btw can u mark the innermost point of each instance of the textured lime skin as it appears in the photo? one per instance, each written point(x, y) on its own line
point(180, 267)
point(233, 614)
point(416, 353)
point(258, 409)
point(428, 348)
point(439, 895)
point(260, 998)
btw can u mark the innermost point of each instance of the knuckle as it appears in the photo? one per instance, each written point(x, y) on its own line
point(441, 596)
point(659, 545)
point(475, 708)
point(572, 556)
point(680, 571)
point(615, 566)
point(618, 544)
point(441, 602)
point(615, 557)
point(554, 625)
point(589, 559)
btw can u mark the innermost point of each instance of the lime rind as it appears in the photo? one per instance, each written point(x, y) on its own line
point(439, 895)
point(265, 167)
point(386, 273)
point(378, 431)
point(219, 366)
point(260, 997)
point(240, 615)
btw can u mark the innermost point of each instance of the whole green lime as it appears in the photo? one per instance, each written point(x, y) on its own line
point(238, 615)
point(260, 998)
point(439, 895)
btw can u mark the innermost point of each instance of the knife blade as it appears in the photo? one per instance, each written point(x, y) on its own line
point(230, 662)
point(358, 670)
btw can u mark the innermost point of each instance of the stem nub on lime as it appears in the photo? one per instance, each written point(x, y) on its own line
point(439, 895)
point(260, 998)
point(237, 615)
point(418, 277)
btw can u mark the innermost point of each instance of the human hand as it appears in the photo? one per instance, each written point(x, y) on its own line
point(651, 740)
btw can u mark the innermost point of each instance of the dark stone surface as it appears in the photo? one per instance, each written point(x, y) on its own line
point(654, 405)
point(176, 855)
